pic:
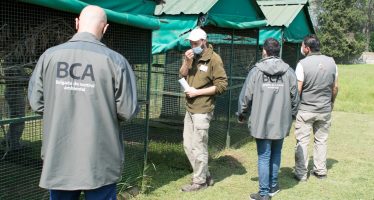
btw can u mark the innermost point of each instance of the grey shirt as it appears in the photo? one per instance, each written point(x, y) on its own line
point(270, 97)
point(319, 75)
point(82, 88)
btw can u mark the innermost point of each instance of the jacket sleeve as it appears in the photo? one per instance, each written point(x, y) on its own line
point(35, 90)
point(295, 98)
point(246, 95)
point(219, 76)
point(125, 92)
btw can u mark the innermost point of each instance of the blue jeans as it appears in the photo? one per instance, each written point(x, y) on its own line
point(269, 158)
point(107, 192)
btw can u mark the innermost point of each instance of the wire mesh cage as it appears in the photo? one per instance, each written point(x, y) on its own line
point(26, 31)
point(291, 53)
point(237, 49)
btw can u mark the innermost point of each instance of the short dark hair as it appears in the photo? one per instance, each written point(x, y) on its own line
point(312, 42)
point(272, 47)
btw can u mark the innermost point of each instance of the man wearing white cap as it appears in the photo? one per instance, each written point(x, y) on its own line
point(206, 77)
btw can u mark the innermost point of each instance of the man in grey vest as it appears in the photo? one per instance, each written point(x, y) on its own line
point(83, 89)
point(317, 77)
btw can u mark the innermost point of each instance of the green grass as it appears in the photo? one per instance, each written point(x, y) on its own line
point(356, 89)
point(350, 156)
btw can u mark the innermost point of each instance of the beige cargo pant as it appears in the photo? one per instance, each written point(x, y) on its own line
point(195, 143)
point(306, 122)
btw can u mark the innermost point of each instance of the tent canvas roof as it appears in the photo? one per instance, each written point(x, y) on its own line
point(286, 18)
point(128, 12)
point(281, 15)
point(281, 12)
point(187, 7)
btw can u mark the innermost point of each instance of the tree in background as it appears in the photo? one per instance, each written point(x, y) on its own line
point(369, 28)
point(372, 42)
point(340, 29)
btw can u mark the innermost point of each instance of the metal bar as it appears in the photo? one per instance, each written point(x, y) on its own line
point(281, 43)
point(181, 94)
point(147, 105)
point(228, 137)
point(257, 43)
point(20, 119)
point(158, 72)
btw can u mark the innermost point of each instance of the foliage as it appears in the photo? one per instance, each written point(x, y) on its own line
point(371, 48)
point(340, 31)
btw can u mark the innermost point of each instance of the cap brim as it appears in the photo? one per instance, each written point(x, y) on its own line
point(193, 38)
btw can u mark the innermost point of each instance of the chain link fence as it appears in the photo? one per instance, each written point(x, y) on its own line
point(26, 31)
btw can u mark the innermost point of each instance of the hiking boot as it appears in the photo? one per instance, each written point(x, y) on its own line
point(319, 176)
point(257, 196)
point(274, 190)
point(194, 187)
point(209, 181)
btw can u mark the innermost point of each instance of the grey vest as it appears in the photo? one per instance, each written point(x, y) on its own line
point(319, 77)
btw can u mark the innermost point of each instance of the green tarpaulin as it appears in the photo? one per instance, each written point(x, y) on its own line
point(238, 14)
point(298, 29)
point(270, 32)
point(127, 12)
point(235, 22)
point(173, 32)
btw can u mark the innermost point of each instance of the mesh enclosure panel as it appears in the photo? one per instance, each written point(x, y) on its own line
point(134, 44)
point(291, 54)
point(26, 31)
point(244, 58)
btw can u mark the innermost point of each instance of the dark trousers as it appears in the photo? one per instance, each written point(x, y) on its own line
point(107, 192)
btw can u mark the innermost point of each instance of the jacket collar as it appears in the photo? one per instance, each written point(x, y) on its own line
point(268, 58)
point(86, 37)
point(207, 54)
point(314, 53)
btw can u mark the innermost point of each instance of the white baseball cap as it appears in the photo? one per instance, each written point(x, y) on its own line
point(197, 34)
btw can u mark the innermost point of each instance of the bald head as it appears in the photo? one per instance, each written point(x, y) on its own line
point(93, 20)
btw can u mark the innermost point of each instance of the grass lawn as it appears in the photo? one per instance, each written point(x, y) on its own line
point(350, 156)
point(356, 89)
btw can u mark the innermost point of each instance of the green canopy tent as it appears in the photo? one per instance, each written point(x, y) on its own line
point(179, 17)
point(289, 22)
point(232, 28)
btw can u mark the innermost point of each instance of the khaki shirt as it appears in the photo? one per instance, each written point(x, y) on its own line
point(207, 70)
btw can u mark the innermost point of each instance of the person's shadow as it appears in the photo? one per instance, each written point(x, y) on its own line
point(226, 166)
point(171, 164)
point(286, 176)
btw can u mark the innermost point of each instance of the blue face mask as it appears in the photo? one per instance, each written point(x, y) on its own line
point(197, 50)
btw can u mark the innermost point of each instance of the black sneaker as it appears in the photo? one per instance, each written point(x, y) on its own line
point(194, 187)
point(319, 176)
point(257, 196)
point(209, 181)
point(273, 191)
